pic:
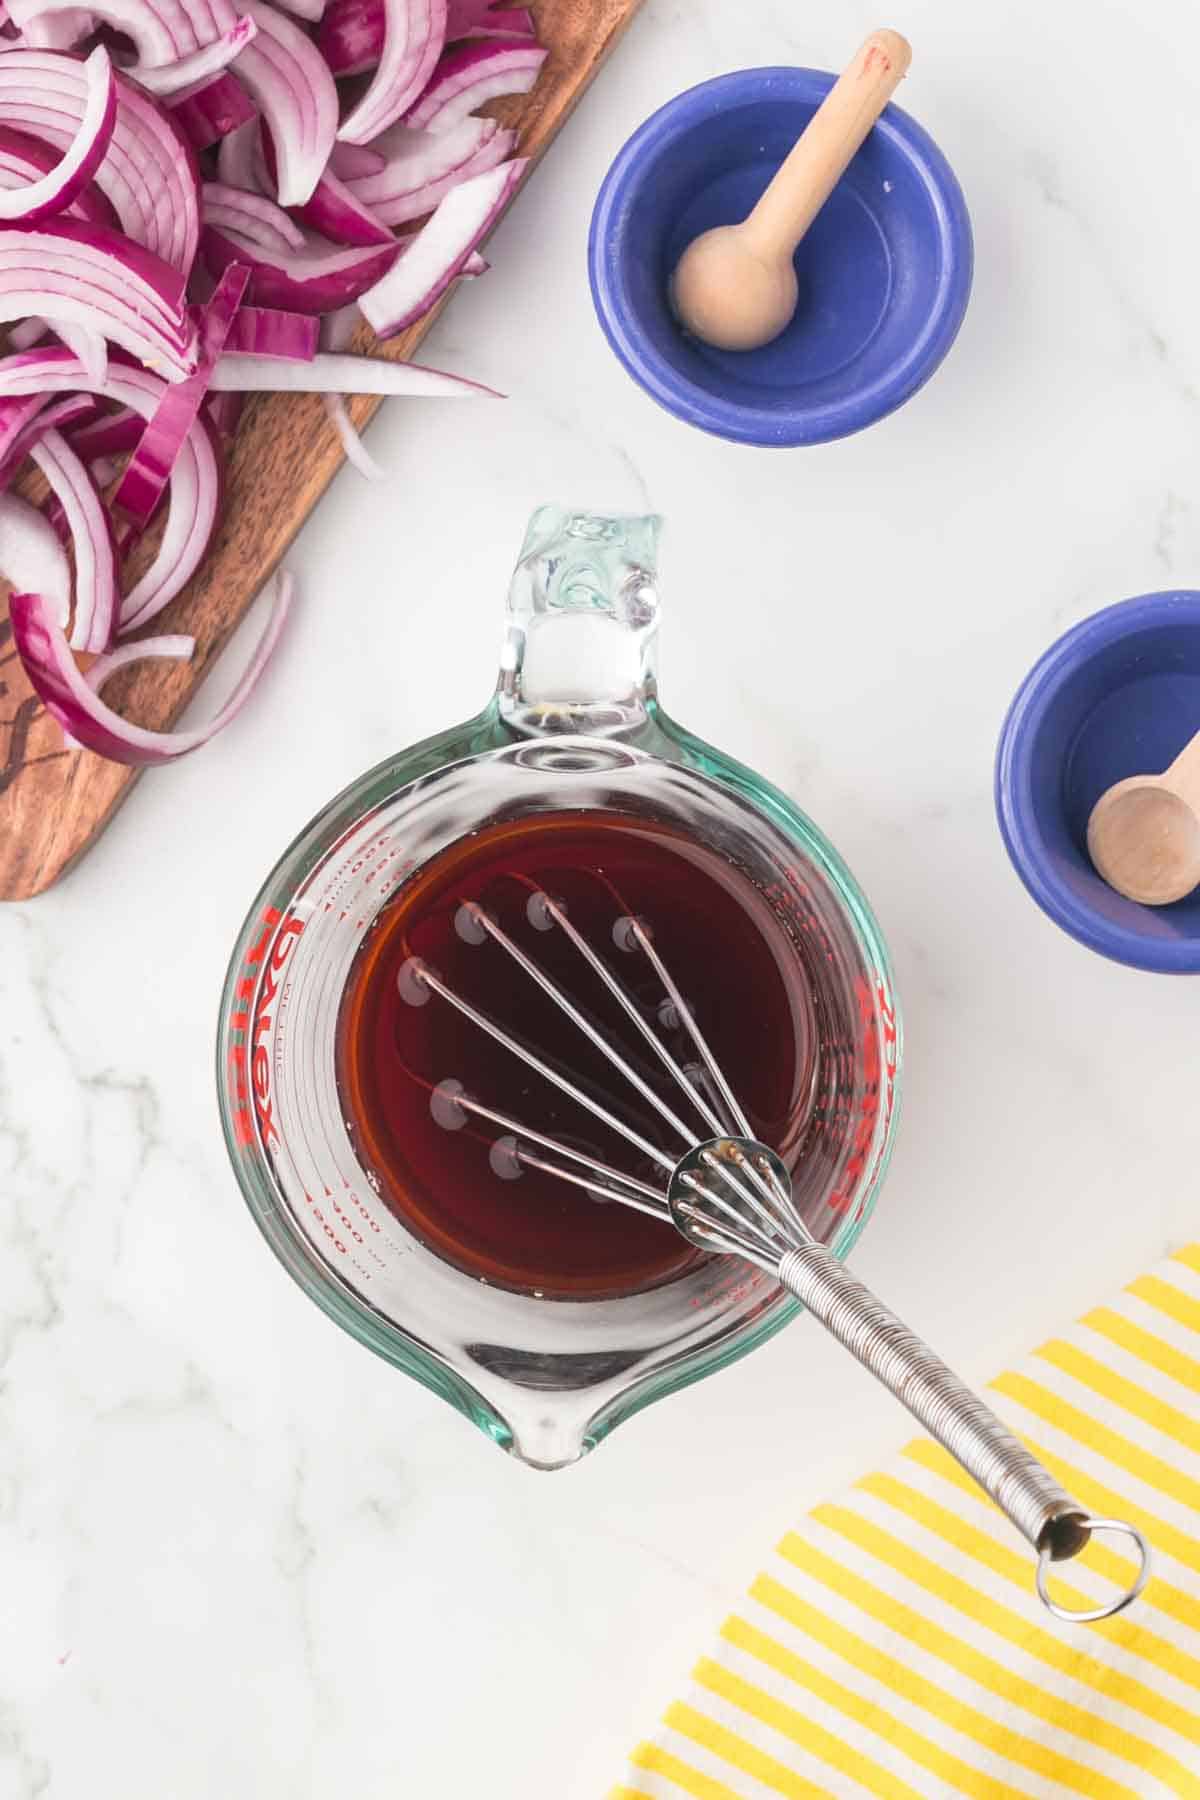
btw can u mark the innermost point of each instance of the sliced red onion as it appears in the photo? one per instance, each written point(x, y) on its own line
point(330, 374)
point(476, 19)
point(195, 481)
point(224, 412)
point(26, 333)
point(149, 468)
point(351, 161)
point(83, 275)
point(266, 331)
point(55, 677)
point(237, 155)
point(89, 347)
point(439, 250)
point(112, 434)
point(105, 469)
point(355, 450)
point(396, 202)
point(309, 10)
point(337, 212)
point(414, 34)
point(291, 83)
point(174, 646)
point(60, 30)
point(148, 173)
point(474, 266)
point(31, 551)
point(57, 415)
point(43, 198)
point(309, 281)
point(163, 30)
point(23, 159)
point(252, 216)
point(471, 74)
point(351, 36)
point(202, 65)
point(209, 110)
point(95, 553)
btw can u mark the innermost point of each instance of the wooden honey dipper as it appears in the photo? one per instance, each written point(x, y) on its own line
point(735, 286)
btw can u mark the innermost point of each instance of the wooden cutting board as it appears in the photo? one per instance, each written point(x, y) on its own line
point(54, 802)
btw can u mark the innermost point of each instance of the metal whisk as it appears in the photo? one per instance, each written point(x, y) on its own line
point(730, 1194)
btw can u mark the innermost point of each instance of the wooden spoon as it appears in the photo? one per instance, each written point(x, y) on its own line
point(1144, 833)
point(735, 286)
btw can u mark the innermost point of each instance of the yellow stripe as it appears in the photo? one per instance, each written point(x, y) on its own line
point(1164, 1297)
point(628, 1793)
point(657, 1760)
point(966, 1660)
point(1189, 1256)
point(824, 1745)
point(985, 1729)
point(1145, 1346)
point(1122, 1392)
point(951, 1590)
point(866, 1714)
point(1106, 1503)
point(741, 1754)
point(1047, 1646)
point(1092, 1434)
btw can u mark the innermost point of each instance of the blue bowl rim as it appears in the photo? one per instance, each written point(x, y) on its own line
point(734, 420)
point(1018, 827)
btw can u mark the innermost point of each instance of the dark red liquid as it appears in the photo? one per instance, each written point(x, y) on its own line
point(733, 961)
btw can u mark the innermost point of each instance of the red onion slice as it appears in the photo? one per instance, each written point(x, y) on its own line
point(148, 173)
point(267, 331)
point(24, 159)
point(351, 161)
point(195, 480)
point(59, 415)
point(338, 213)
point(333, 374)
point(237, 156)
point(202, 65)
point(476, 19)
point(58, 30)
point(173, 646)
point(351, 36)
point(112, 434)
point(84, 275)
point(439, 250)
point(308, 281)
point(31, 551)
point(395, 201)
point(163, 30)
point(414, 33)
point(66, 694)
point(471, 74)
point(149, 468)
point(56, 190)
point(288, 78)
point(355, 451)
point(252, 216)
point(209, 110)
point(91, 540)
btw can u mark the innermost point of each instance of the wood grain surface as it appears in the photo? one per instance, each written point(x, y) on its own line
point(54, 802)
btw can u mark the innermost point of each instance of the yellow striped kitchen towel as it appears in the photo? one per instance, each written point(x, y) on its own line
point(894, 1648)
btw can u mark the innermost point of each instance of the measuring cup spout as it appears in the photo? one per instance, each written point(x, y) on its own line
point(581, 626)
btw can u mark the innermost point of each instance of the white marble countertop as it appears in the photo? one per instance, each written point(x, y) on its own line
point(239, 1555)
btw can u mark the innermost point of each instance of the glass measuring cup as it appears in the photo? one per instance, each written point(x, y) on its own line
point(575, 724)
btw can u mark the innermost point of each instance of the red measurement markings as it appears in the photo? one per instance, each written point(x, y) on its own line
point(249, 1058)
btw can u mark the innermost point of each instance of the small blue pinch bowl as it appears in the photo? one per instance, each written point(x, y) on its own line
point(884, 271)
point(1117, 695)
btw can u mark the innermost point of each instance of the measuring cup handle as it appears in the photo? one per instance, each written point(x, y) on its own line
point(1043, 1512)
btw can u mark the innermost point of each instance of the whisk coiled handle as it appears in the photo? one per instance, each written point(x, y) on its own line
point(960, 1421)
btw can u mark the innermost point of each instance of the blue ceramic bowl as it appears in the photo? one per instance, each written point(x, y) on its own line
point(884, 271)
point(1118, 695)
